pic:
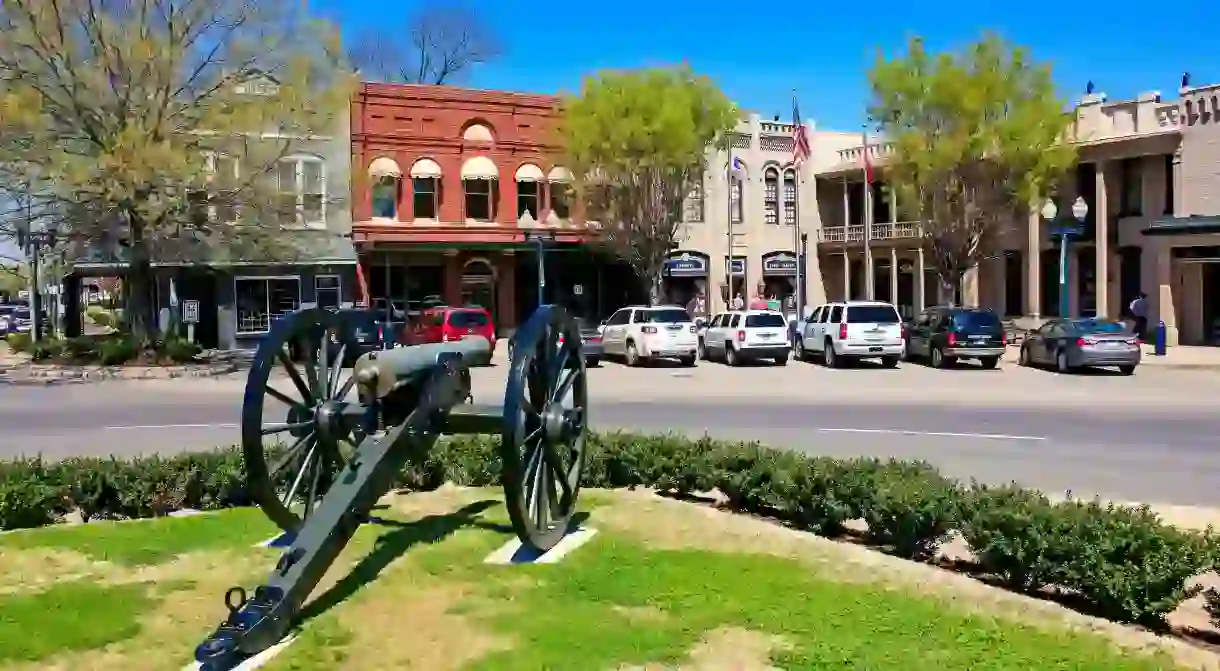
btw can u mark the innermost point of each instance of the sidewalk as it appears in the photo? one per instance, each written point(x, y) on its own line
point(1185, 357)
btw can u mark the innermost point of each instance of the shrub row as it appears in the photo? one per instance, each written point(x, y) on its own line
point(1123, 563)
point(112, 349)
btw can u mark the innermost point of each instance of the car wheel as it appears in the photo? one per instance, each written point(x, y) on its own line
point(702, 351)
point(938, 358)
point(781, 360)
point(1024, 359)
point(889, 361)
point(829, 358)
point(633, 355)
point(907, 354)
point(687, 361)
point(990, 362)
point(730, 356)
point(1127, 370)
point(593, 362)
point(798, 350)
point(1061, 362)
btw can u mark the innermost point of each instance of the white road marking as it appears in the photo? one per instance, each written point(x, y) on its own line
point(939, 434)
point(149, 427)
point(507, 554)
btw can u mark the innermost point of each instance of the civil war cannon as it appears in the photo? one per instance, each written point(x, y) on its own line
point(342, 453)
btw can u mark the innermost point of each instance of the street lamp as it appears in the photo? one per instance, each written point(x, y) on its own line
point(37, 240)
point(540, 238)
point(1080, 210)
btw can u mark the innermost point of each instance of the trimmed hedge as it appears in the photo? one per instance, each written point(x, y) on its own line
point(1123, 563)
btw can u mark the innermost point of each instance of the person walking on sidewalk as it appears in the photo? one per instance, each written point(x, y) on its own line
point(1139, 312)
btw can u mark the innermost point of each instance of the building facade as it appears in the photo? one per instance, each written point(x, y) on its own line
point(457, 190)
point(1149, 171)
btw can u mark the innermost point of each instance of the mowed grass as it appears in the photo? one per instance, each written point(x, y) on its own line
point(414, 592)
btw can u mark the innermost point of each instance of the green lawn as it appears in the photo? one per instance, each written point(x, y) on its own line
point(417, 594)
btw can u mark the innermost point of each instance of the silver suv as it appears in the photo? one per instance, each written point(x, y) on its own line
point(850, 330)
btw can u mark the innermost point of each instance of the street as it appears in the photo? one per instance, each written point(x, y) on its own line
point(1148, 438)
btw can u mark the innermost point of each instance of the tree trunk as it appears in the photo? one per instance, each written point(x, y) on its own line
point(655, 294)
point(138, 284)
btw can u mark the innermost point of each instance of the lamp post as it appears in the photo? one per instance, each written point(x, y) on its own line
point(802, 275)
point(1080, 210)
point(540, 238)
point(37, 240)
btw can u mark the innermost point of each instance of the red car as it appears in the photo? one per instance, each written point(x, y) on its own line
point(446, 324)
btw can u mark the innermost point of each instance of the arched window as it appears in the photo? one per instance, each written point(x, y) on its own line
point(529, 179)
point(301, 185)
point(477, 132)
point(426, 189)
point(790, 197)
point(560, 180)
point(771, 195)
point(479, 179)
point(386, 178)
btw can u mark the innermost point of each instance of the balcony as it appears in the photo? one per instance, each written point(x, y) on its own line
point(898, 230)
point(856, 154)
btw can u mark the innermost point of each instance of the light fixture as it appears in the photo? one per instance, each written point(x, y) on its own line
point(1080, 209)
point(1049, 211)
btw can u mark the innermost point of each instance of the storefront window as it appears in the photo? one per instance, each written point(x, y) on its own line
point(262, 300)
point(328, 291)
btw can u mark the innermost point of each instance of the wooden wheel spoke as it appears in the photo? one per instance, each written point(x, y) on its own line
point(559, 472)
point(323, 381)
point(564, 387)
point(284, 398)
point(559, 365)
point(346, 388)
point(317, 467)
point(333, 385)
point(306, 394)
point(541, 496)
point(291, 454)
point(300, 477)
point(280, 427)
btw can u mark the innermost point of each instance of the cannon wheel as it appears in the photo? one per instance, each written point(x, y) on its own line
point(291, 462)
point(545, 420)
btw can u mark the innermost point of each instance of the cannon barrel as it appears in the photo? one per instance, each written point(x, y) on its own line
point(380, 373)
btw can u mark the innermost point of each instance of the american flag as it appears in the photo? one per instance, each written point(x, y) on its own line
point(868, 161)
point(800, 139)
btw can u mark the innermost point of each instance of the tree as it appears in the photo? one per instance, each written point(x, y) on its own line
point(978, 137)
point(636, 143)
point(442, 43)
point(156, 126)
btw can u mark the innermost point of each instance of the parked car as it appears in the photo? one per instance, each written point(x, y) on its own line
point(844, 331)
point(361, 330)
point(945, 335)
point(447, 323)
point(21, 322)
point(748, 335)
point(1072, 344)
point(6, 317)
point(590, 344)
point(639, 333)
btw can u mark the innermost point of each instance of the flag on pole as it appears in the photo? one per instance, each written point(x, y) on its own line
point(868, 161)
point(736, 167)
point(362, 285)
point(800, 139)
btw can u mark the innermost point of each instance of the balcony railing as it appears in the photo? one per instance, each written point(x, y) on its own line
point(856, 154)
point(887, 231)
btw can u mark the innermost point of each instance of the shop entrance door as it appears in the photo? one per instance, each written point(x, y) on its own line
point(479, 287)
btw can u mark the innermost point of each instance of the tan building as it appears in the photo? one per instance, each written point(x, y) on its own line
point(1149, 171)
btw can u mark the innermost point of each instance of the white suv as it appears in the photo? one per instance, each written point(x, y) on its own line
point(746, 335)
point(637, 333)
point(843, 331)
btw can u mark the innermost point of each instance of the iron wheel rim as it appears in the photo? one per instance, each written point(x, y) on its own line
point(542, 456)
point(288, 483)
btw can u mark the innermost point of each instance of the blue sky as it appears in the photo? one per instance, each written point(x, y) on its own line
point(760, 51)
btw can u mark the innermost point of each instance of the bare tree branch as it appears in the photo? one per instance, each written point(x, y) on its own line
point(443, 43)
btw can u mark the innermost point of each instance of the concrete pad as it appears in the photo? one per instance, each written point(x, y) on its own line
point(516, 552)
point(256, 662)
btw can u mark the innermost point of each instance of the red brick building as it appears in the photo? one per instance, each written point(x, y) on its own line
point(448, 184)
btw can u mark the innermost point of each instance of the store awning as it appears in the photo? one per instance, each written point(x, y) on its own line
point(529, 173)
point(312, 248)
point(426, 168)
point(1184, 225)
point(479, 167)
point(384, 166)
point(559, 174)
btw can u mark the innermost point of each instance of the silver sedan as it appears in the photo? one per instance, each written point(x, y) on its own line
point(1072, 344)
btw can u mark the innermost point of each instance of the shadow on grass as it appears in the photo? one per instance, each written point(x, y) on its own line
point(427, 530)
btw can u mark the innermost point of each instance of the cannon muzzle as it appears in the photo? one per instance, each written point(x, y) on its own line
point(379, 373)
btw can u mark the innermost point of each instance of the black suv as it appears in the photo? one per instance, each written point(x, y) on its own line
point(943, 335)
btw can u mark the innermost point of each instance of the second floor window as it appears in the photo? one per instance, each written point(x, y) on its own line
point(425, 197)
point(302, 187)
point(771, 196)
point(528, 196)
point(480, 198)
point(790, 198)
point(561, 199)
point(692, 207)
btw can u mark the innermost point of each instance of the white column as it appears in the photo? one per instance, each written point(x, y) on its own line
point(1101, 242)
point(894, 274)
point(920, 290)
point(846, 277)
point(1033, 262)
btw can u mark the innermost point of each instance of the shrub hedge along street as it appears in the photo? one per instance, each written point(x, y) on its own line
point(1122, 563)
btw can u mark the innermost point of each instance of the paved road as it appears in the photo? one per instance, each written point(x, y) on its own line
point(1155, 443)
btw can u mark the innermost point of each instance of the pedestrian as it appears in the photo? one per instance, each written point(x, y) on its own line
point(739, 303)
point(1139, 312)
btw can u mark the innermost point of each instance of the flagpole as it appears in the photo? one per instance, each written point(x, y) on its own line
point(728, 232)
point(869, 272)
point(796, 224)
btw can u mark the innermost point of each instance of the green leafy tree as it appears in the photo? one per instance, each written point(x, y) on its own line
point(636, 142)
point(155, 127)
point(978, 137)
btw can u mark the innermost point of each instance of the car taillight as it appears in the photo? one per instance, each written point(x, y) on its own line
point(741, 336)
point(1133, 341)
point(649, 329)
point(1086, 341)
point(952, 339)
point(842, 331)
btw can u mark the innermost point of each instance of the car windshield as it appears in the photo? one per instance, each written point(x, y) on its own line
point(765, 319)
point(22, 313)
point(871, 314)
point(465, 319)
point(668, 316)
point(982, 319)
point(1096, 326)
